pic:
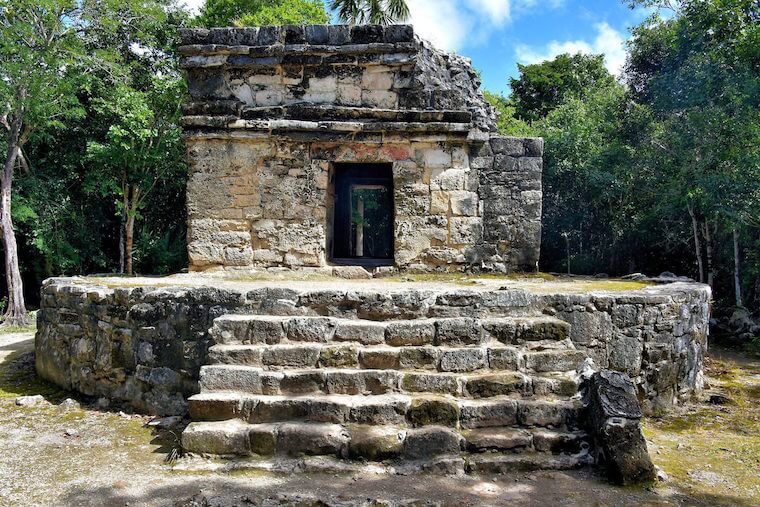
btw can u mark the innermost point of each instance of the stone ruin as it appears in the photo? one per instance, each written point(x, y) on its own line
point(318, 147)
point(328, 145)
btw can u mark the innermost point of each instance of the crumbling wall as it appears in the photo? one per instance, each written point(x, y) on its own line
point(145, 345)
point(273, 109)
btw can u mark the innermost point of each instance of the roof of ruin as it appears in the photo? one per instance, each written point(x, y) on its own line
point(442, 94)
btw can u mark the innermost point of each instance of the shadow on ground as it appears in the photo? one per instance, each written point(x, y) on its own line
point(57, 453)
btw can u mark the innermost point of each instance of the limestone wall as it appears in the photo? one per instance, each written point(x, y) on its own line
point(145, 345)
point(273, 109)
point(265, 202)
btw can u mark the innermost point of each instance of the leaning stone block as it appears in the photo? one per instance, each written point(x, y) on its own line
point(614, 421)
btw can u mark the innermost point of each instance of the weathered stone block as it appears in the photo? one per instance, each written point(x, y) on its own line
point(420, 358)
point(376, 443)
point(460, 331)
point(500, 384)
point(311, 329)
point(410, 333)
point(462, 360)
point(433, 411)
point(339, 356)
point(487, 414)
point(379, 359)
point(317, 439)
point(430, 383)
point(427, 442)
point(497, 439)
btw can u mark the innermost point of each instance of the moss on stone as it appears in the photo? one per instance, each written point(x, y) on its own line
point(714, 451)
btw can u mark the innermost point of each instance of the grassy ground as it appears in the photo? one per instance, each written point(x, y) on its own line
point(714, 450)
point(56, 454)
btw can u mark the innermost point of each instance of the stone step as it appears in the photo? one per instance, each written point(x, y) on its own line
point(460, 331)
point(388, 409)
point(253, 380)
point(529, 462)
point(444, 359)
point(373, 443)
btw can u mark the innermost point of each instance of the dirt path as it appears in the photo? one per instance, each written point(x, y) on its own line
point(58, 453)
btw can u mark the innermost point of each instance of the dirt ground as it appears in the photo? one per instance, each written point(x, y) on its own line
point(58, 452)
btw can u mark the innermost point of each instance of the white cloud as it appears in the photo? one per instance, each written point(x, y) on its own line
point(441, 22)
point(497, 10)
point(452, 24)
point(608, 41)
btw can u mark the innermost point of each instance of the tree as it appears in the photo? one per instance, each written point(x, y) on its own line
point(542, 87)
point(380, 12)
point(39, 44)
point(698, 73)
point(143, 146)
point(508, 124)
point(262, 12)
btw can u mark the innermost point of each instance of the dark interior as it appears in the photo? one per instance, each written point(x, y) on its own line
point(363, 219)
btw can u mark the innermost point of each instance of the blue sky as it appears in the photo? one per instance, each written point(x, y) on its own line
point(499, 34)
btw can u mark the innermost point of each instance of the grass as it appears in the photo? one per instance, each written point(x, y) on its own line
point(18, 378)
point(711, 449)
point(29, 328)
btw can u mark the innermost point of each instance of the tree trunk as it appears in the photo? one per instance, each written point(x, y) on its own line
point(129, 231)
point(697, 243)
point(122, 253)
point(131, 204)
point(709, 250)
point(737, 274)
point(16, 312)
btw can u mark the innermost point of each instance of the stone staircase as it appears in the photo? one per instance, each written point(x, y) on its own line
point(495, 393)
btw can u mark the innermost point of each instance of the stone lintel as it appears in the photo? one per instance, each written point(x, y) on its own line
point(231, 122)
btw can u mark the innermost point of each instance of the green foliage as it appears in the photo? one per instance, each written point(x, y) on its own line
point(508, 124)
point(542, 87)
point(262, 12)
point(380, 12)
point(624, 166)
point(127, 96)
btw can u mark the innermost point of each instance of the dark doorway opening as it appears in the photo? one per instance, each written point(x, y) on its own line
point(362, 228)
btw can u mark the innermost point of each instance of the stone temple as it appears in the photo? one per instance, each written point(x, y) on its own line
point(332, 145)
point(316, 152)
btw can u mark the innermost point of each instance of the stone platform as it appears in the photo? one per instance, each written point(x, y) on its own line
point(455, 373)
point(144, 340)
